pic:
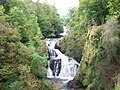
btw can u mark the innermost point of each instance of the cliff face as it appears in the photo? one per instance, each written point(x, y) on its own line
point(100, 64)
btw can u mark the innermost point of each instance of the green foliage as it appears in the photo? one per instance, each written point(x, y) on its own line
point(12, 54)
point(22, 51)
point(100, 62)
point(72, 46)
point(48, 19)
point(89, 13)
point(1, 10)
point(17, 85)
point(88, 74)
point(110, 54)
point(111, 40)
point(45, 84)
point(19, 17)
point(117, 86)
point(114, 8)
point(80, 19)
point(38, 63)
point(94, 12)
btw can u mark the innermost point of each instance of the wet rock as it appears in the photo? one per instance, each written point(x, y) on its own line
point(57, 46)
point(53, 65)
point(75, 85)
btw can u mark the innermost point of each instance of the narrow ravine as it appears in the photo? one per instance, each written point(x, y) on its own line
point(61, 68)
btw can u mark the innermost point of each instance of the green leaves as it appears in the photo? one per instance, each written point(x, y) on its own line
point(111, 41)
point(38, 61)
point(114, 9)
point(48, 20)
point(22, 52)
point(94, 11)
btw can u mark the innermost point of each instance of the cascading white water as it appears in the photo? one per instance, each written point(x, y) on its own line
point(60, 66)
point(68, 66)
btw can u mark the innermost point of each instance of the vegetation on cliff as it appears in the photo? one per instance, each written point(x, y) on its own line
point(94, 37)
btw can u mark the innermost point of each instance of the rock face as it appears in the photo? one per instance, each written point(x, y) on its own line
point(57, 47)
point(75, 85)
point(53, 64)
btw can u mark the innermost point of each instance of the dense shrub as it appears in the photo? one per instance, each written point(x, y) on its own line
point(21, 60)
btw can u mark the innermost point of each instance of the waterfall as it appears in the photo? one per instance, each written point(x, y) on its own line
point(59, 65)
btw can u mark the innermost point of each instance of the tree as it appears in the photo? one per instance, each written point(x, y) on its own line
point(48, 19)
point(21, 48)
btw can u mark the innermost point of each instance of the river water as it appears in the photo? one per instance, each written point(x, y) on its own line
point(61, 68)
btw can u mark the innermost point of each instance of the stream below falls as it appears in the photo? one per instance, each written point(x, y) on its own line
point(61, 68)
